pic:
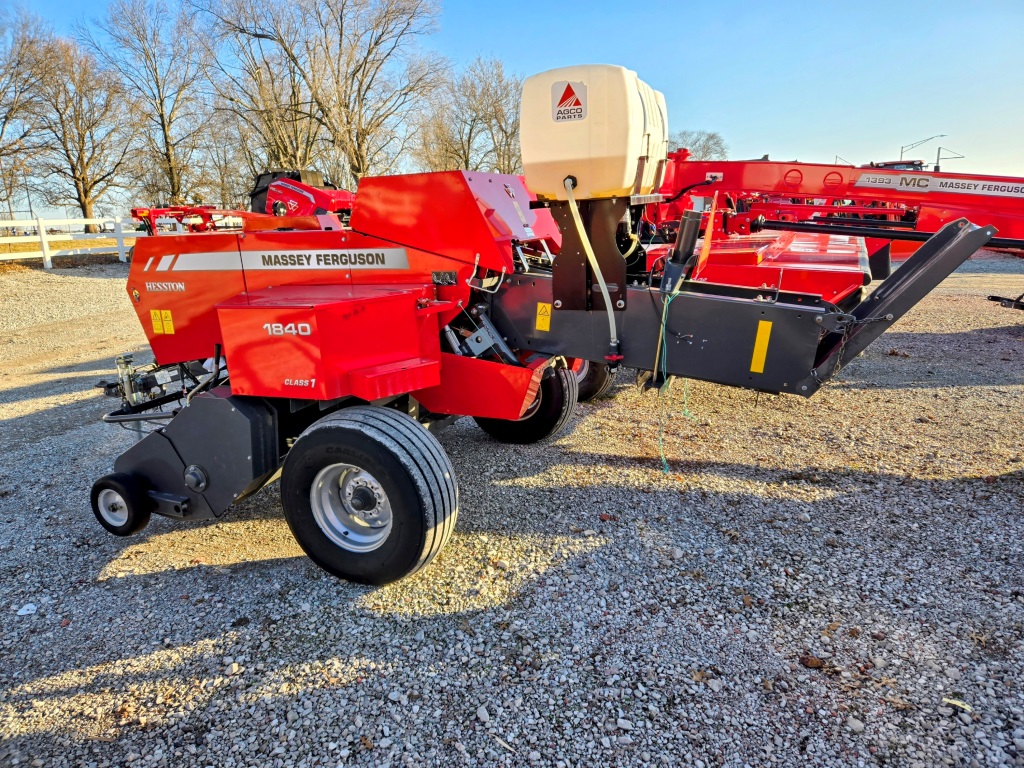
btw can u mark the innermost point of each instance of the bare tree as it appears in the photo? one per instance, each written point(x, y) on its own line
point(471, 122)
point(227, 163)
point(504, 96)
point(156, 51)
point(357, 61)
point(703, 145)
point(21, 67)
point(266, 96)
point(449, 133)
point(88, 125)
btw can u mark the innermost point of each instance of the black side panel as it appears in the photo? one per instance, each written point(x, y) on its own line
point(574, 283)
point(880, 263)
point(228, 442)
point(155, 462)
point(232, 439)
point(731, 337)
point(742, 337)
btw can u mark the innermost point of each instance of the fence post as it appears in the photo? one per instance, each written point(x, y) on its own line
point(119, 234)
point(44, 244)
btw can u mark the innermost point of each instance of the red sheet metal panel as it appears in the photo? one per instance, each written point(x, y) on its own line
point(175, 283)
point(466, 216)
point(325, 342)
point(473, 387)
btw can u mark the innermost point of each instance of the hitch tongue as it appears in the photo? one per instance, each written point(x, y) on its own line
point(943, 252)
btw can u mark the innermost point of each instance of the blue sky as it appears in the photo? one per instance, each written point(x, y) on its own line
point(798, 80)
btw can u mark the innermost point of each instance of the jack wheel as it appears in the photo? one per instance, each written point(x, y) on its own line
point(369, 494)
point(120, 503)
point(554, 406)
point(594, 379)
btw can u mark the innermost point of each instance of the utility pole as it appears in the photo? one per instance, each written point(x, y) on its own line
point(919, 143)
point(939, 158)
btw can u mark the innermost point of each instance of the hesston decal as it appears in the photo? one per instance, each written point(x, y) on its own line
point(165, 287)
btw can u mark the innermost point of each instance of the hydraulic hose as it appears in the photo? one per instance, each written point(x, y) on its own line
point(208, 380)
point(613, 333)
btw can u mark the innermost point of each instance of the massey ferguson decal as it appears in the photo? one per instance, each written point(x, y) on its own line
point(384, 258)
point(918, 183)
point(568, 101)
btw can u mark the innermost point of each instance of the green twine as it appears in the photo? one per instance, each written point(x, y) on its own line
point(662, 409)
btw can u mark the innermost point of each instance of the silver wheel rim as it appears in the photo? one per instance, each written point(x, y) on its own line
point(351, 507)
point(113, 507)
point(581, 374)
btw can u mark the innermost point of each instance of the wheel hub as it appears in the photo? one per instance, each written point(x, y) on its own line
point(351, 507)
point(112, 507)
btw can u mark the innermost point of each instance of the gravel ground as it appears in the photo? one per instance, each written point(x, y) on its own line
point(827, 582)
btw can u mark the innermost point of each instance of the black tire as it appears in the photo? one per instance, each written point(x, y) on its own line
point(120, 503)
point(403, 462)
point(557, 397)
point(595, 379)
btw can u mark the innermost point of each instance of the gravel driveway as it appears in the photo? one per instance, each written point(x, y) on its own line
point(837, 581)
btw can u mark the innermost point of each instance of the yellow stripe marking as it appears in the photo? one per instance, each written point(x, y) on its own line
point(764, 331)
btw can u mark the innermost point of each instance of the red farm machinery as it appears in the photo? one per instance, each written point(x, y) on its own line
point(897, 202)
point(324, 348)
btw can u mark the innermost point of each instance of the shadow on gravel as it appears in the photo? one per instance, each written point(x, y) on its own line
point(34, 421)
point(68, 265)
point(70, 382)
point(163, 640)
point(980, 357)
point(104, 364)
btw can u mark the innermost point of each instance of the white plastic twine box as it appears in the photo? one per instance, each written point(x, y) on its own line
point(598, 123)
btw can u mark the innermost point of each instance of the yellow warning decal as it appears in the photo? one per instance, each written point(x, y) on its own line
point(764, 331)
point(158, 323)
point(543, 316)
point(169, 321)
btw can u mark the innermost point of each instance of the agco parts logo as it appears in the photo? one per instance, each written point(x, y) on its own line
point(568, 101)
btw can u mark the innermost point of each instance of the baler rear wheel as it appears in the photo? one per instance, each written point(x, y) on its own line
point(120, 503)
point(595, 379)
point(556, 401)
point(369, 494)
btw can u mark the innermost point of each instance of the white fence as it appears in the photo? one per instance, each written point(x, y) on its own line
point(43, 232)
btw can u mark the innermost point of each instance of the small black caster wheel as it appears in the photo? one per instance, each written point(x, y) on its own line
point(120, 503)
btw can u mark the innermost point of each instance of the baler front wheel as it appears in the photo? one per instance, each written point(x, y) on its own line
point(556, 401)
point(369, 494)
point(120, 504)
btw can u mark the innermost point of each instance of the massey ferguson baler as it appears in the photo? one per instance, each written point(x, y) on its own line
point(320, 350)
